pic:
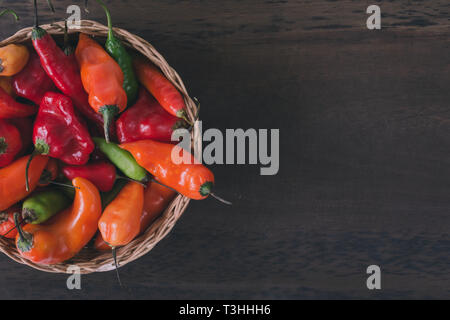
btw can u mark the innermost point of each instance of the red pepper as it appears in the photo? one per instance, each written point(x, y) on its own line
point(147, 120)
point(10, 143)
point(58, 132)
point(102, 174)
point(7, 224)
point(10, 108)
point(32, 82)
point(25, 127)
point(64, 71)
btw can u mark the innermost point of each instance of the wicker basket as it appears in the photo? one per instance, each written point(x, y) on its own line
point(89, 260)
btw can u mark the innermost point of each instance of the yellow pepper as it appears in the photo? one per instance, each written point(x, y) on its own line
point(13, 59)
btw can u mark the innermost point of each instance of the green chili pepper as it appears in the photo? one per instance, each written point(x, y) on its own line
point(116, 49)
point(42, 206)
point(108, 197)
point(122, 159)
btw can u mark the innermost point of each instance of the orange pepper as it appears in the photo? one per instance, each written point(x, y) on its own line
point(13, 182)
point(50, 173)
point(192, 180)
point(13, 58)
point(160, 87)
point(102, 78)
point(6, 84)
point(65, 234)
point(121, 220)
point(156, 199)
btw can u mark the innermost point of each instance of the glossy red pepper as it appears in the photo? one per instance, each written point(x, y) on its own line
point(7, 224)
point(32, 82)
point(102, 174)
point(10, 143)
point(10, 108)
point(58, 132)
point(146, 119)
point(63, 70)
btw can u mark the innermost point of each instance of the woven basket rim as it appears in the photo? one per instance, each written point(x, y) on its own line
point(89, 260)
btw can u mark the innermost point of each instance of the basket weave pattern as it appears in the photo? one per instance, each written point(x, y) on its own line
point(89, 260)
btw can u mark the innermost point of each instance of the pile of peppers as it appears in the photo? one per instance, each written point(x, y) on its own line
point(85, 145)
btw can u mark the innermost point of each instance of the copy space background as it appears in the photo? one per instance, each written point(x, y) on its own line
point(364, 175)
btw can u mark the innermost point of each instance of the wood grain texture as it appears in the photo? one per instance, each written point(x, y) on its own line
point(365, 129)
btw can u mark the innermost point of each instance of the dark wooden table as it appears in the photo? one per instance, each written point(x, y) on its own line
point(364, 176)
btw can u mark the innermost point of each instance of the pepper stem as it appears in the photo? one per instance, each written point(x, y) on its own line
point(9, 231)
point(3, 146)
point(68, 48)
point(108, 112)
point(183, 115)
point(162, 184)
point(221, 199)
point(36, 19)
point(27, 178)
point(108, 17)
point(131, 180)
point(25, 241)
point(10, 11)
point(114, 254)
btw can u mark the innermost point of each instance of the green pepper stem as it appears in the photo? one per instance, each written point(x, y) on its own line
point(114, 254)
point(162, 184)
point(220, 199)
point(131, 180)
point(9, 231)
point(3, 144)
point(68, 49)
point(25, 242)
point(108, 16)
point(12, 12)
point(27, 168)
point(36, 19)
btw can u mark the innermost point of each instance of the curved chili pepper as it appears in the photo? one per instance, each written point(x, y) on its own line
point(161, 88)
point(10, 108)
point(44, 205)
point(33, 82)
point(67, 233)
point(120, 220)
point(102, 79)
point(102, 174)
point(50, 173)
point(156, 199)
point(12, 182)
point(117, 50)
point(25, 127)
point(10, 143)
point(146, 119)
point(122, 160)
point(7, 229)
point(63, 70)
point(193, 180)
point(6, 84)
point(58, 132)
